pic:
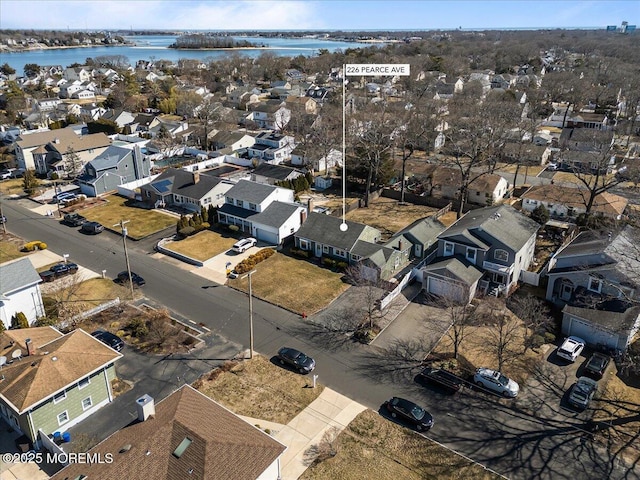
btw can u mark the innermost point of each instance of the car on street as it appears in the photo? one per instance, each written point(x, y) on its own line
point(571, 348)
point(582, 392)
point(123, 279)
point(496, 381)
point(246, 243)
point(296, 359)
point(109, 339)
point(596, 365)
point(410, 412)
point(3, 219)
point(73, 219)
point(441, 377)
point(92, 228)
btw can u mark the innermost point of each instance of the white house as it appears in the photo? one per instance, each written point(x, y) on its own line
point(20, 291)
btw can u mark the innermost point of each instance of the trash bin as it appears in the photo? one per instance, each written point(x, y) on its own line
point(66, 437)
point(57, 436)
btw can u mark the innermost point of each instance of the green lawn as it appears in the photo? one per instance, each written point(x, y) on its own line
point(203, 245)
point(142, 222)
point(295, 284)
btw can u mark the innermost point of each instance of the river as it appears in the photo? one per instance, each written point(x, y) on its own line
point(155, 47)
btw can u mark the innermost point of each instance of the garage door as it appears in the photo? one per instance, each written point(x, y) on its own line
point(446, 289)
point(590, 334)
point(266, 236)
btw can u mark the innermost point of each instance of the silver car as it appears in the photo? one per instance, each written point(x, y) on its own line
point(582, 392)
point(496, 381)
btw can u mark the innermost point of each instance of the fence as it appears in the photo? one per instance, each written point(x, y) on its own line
point(88, 313)
point(52, 447)
point(396, 291)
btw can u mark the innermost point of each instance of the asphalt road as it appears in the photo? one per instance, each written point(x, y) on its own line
point(490, 430)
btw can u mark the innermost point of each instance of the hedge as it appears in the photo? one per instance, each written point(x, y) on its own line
point(251, 261)
point(35, 245)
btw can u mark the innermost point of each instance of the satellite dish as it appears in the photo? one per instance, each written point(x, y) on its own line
point(3, 361)
point(17, 353)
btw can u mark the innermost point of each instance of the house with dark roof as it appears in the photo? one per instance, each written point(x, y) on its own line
point(272, 174)
point(265, 212)
point(595, 279)
point(187, 435)
point(422, 235)
point(497, 241)
point(272, 147)
point(120, 117)
point(232, 140)
point(115, 166)
point(188, 190)
point(52, 381)
point(272, 116)
point(20, 291)
point(444, 182)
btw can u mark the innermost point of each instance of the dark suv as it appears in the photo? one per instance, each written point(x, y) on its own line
point(123, 279)
point(74, 219)
point(109, 339)
point(596, 366)
point(92, 228)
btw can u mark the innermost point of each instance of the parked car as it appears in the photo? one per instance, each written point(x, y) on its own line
point(552, 166)
point(410, 412)
point(571, 348)
point(496, 381)
point(123, 279)
point(92, 228)
point(3, 219)
point(582, 392)
point(59, 270)
point(244, 244)
point(5, 174)
point(60, 197)
point(596, 365)
point(441, 377)
point(17, 173)
point(296, 359)
point(109, 339)
point(73, 219)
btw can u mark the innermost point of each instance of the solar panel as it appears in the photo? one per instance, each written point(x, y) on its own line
point(162, 186)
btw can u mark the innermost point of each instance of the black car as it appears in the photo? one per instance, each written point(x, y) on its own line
point(596, 366)
point(109, 339)
point(411, 412)
point(74, 219)
point(296, 359)
point(64, 269)
point(123, 279)
point(91, 227)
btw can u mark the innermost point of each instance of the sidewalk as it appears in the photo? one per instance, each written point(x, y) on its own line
point(329, 410)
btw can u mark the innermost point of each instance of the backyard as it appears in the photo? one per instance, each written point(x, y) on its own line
point(295, 284)
point(389, 216)
point(203, 245)
point(142, 222)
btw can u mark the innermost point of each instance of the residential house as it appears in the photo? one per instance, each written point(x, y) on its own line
point(567, 203)
point(422, 235)
point(272, 174)
point(188, 190)
point(265, 212)
point(20, 291)
point(595, 279)
point(318, 93)
point(585, 140)
point(54, 381)
point(120, 117)
point(234, 141)
point(85, 94)
point(496, 241)
point(322, 236)
point(272, 147)
point(443, 91)
point(67, 90)
point(46, 104)
point(444, 182)
point(294, 75)
point(502, 81)
point(333, 159)
point(91, 111)
point(301, 105)
point(271, 116)
point(169, 441)
point(525, 153)
point(53, 157)
point(81, 74)
point(115, 166)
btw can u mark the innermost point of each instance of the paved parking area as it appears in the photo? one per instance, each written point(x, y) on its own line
point(215, 268)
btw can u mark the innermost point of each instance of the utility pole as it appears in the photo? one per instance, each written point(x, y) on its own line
point(250, 314)
point(126, 253)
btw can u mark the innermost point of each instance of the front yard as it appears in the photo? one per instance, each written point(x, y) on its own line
point(142, 222)
point(202, 246)
point(10, 247)
point(297, 285)
point(388, 216)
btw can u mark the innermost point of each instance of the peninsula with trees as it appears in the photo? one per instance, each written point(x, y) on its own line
point(200, 41)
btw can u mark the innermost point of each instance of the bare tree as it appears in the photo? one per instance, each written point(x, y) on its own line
point(366, 280)
point(536, 316)
point(503, 331)
point(460, 316)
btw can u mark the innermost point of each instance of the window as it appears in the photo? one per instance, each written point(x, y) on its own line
point(501, 255)
point(595, 284)
point(63, 418)
point(59, 397)
point(87, 403)
point(207, 200)
point(471, 255)
point(304, 244)
point(448, 249)
point(252, 206)
point(325, 249)
point(355, 258)
point(339, 253)
point(228, 200)
point(83, 383)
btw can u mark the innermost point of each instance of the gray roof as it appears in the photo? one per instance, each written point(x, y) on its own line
point(466, 273)
point(277, 172)
point(325, 229)
point(381, 256)
point(275, 214)
point(504, 223)
point(615, 321)
point(235, 211)
point(424, 231)
point(181, 182)
point(365, 249)
point(251, 192)
point(110, 158)
point(17, 275)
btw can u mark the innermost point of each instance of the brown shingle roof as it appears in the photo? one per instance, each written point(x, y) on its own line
point(59, 361)
point(605, 203)
point(223, 446)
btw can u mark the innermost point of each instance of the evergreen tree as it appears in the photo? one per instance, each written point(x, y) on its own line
point(212, 214)
point(19, 320)
point(204, 213)
point(540, 214)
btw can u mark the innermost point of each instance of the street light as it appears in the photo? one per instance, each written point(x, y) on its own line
point(126, 254)
point(250, 314)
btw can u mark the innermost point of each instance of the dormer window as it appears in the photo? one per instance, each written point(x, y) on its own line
point(501, 255)
point(595, 284)
point(471, 255)
point(448, 249)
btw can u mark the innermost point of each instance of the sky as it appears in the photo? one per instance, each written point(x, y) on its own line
point(313, 14)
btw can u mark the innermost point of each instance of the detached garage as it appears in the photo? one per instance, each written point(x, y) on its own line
point(451, 279)
point(614, 329)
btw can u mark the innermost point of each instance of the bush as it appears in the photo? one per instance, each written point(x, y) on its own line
point(138, 327)
point(328, 262)
point(549, 337)
point(342, 265)
point(35, 245)
point(19, 320)
point(187, 231)
point(233, 228)
point(536, 341)
point(251, 261)
point(299, 252)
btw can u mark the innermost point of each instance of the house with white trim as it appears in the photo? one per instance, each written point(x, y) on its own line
point(20, 291)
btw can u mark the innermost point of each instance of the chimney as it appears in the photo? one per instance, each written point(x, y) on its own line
point(56, 140)
point(310, 205)
point(196, 176)
point(31, 349)
point(146, 407)
point(400, 244)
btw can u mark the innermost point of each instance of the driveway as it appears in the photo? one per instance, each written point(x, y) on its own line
point(215, 268)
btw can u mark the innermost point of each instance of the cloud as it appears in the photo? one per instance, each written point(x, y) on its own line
point(169, 15)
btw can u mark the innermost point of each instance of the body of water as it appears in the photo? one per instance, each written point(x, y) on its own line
point(155, 47)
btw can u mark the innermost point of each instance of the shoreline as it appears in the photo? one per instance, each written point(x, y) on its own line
point(41, 46)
